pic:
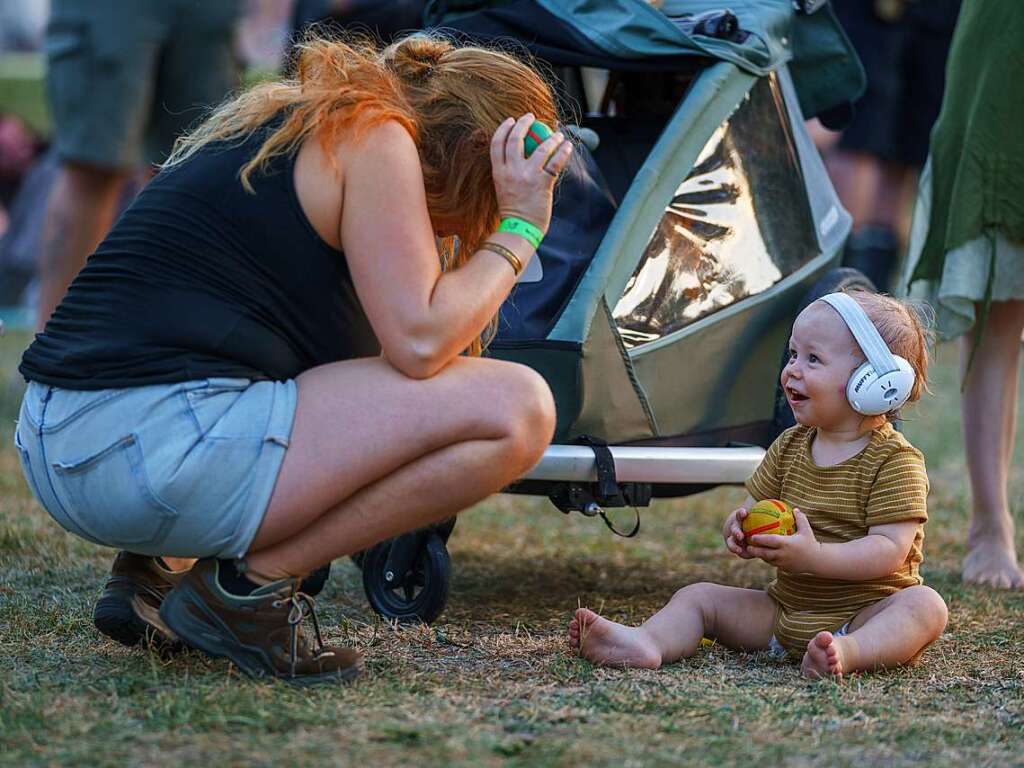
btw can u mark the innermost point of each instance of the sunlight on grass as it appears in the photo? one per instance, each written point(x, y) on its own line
point(493, 682)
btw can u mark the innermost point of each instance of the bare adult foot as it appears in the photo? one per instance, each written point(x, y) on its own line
point(992, 562)
point(824, 657)
point(601, 641)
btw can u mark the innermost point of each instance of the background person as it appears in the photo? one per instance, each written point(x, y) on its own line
point(876, 160)
point(124, 78)
point(262, 364)
point(967, 257)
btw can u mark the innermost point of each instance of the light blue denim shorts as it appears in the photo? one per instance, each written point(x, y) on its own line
point(184, 470)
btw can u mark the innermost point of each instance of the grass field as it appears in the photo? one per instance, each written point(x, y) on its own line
point(492, 683)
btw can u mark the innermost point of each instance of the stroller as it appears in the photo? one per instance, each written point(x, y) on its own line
point(691, 232)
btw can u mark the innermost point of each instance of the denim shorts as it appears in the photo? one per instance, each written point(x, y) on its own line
point(184, 470)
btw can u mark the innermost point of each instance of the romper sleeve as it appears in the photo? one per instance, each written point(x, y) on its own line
point(766, 483)
point(900, 491)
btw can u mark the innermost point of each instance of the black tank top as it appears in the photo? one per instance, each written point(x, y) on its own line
point(199, 278)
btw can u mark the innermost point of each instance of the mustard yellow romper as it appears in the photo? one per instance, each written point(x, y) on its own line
point(884, 483)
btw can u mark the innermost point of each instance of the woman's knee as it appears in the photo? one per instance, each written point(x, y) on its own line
point(527, 413)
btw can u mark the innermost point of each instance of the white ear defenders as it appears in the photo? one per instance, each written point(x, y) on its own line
point(885, 381)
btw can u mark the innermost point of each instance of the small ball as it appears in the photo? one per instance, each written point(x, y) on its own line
point(535, 136)
point(769, 516)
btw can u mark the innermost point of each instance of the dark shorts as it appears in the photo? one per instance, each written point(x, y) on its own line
point(124, 79)
point(905, 62)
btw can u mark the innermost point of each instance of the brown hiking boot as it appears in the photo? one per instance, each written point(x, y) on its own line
point(141, 580)
point(259, 632)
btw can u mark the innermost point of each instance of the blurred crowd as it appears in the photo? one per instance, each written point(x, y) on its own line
point(30, 170)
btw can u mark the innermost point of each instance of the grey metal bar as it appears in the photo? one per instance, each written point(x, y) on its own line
point(575, 463)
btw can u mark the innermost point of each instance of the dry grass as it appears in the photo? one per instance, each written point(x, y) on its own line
point(493, 683)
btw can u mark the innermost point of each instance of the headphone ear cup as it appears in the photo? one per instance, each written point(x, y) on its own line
point(872, 395)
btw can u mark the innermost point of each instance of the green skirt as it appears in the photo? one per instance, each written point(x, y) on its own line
point(965, 271)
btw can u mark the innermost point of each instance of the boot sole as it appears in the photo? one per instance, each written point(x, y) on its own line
point(114, 617)
point(214, 638)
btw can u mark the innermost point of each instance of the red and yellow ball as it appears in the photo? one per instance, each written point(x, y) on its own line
point(769, 516)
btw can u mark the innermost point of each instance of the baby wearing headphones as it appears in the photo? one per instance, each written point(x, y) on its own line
point(847, 596)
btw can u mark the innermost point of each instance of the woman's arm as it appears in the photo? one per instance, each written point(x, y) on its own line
point(422, 317)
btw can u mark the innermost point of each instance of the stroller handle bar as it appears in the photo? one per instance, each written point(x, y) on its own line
point(646, 464)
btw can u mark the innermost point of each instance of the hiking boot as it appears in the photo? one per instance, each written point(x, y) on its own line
point(136, 582)
point(259, 632)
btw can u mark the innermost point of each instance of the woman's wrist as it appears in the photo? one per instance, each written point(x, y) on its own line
point(516, 225)
point(519, 249)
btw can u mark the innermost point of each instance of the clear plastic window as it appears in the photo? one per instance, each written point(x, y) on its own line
point(737, 224)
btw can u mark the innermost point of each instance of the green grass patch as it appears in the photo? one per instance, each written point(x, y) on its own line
point(493, 683)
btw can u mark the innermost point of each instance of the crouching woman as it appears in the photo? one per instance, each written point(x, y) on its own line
point(261, 365)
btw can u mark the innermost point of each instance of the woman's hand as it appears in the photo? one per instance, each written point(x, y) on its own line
point(797, 553)
point(732, 532)
point(523, 185)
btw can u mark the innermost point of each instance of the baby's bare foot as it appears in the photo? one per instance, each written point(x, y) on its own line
point(824, 657)
point(601, 641)
point(992, 562)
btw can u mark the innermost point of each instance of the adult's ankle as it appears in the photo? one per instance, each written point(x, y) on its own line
point(991, 526)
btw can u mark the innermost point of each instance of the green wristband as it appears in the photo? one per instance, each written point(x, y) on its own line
point(523, 228)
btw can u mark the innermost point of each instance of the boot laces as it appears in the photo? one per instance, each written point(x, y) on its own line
point(301, 606)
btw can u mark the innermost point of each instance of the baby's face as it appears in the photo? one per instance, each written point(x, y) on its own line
point(822, 356)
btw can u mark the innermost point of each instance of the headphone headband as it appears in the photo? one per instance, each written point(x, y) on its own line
point(871, 342)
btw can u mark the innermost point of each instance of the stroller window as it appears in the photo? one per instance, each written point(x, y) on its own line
point(737, 224)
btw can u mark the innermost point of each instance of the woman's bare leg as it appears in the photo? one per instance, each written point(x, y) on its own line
point(989, 413)
point(888, 634)
point(738, 618)
point(374, 454)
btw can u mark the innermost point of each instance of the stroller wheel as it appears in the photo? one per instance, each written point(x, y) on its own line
point(407, 578)
point(443, 529)
point(837, 279)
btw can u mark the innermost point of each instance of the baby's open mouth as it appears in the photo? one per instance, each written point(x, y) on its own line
point(795, 396)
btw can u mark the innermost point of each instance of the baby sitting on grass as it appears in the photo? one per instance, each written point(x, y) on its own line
point(848, 596)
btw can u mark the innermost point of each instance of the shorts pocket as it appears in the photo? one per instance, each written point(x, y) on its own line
point(214, 403)
point(110, 497)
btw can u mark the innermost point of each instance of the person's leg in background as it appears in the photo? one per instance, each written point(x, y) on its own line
point(875, 164)
point(79, 212)
point(99, 88)
point(989, 411)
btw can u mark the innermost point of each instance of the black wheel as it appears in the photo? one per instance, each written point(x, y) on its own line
point(443, 529)
point(418, 594)
point(838, 279)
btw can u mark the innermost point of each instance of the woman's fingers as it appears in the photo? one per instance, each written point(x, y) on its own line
point(557, 161)
point(545, 152)
point(498, 141)
point(515, 137)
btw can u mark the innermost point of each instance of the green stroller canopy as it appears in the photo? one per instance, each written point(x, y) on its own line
point(758, 36)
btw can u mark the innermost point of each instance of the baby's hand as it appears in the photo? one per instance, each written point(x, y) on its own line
point(735, 541)
point(794, 553)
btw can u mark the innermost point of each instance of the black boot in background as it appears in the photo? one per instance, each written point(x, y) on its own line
point(874, 250)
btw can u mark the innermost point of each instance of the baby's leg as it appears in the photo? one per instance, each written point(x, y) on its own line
point(887, 634)
point(737, 618)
